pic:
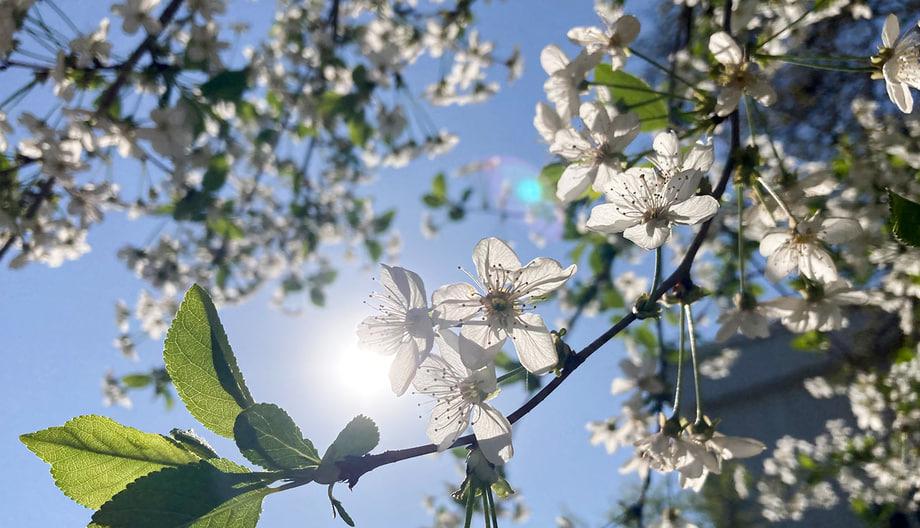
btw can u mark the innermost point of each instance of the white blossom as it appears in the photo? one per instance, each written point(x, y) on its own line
point(614, 38)
point(497, 309)
point(901, 67)
point(594, 154)
point(461, 396)
point(403, 327)
point(739, 76)
point(801, 248)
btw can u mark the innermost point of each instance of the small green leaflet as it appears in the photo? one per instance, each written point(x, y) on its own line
point(208, 494)
point(193, 443)
point(201, 364)
point(633, 94)
point(267, 436)
point(905, 219)
point(92, 457)
point(227, 85)
point(356, 439)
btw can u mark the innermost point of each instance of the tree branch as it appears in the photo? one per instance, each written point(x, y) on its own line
point(106, 100)
point(353, 468)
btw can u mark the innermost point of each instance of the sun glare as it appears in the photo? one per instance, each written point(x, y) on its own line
point(362, 374)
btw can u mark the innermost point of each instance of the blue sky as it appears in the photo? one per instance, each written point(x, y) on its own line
point(57, 327)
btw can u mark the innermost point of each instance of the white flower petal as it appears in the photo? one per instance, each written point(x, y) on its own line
point(570, 144)
point(649, 235)
point(493, 434)
point(773, 241)
point(491, 253)
point(471, 345)
point(899, 93)
point(727, 100)
point(725, 49)
point(627, 28)
point(547, 122)
point(595, 117)
point(762, 92)
point(448, 419)
point(455, 303)
point(694, 210)
point(553, 59)
point(838, 230)
point(402, 370)
point(534, 344)
point(666, 144)
point(407, 284)
point(575, 180)
point(541, 276)
point(782, 262)
point(730, 447)
point(607, 218)
point(817, 264)
point(891, 31)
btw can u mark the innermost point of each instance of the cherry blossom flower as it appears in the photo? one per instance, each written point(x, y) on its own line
point(619, 31)
point(901, 66)
point(137, 13)
point(666, 450)
point(565, 77)
point(498, 309)
point(461, 395)
point(403, 328)
point(641, 373)
point(819, 309)
point(669, 160)
point(93, 47)
point(644, 205)
point(738, 77)
point(747, 318)
point(801, 248)
point(706, 456)
point(594, 154)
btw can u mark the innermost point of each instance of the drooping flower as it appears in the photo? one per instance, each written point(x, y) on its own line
point(801, 248)
point(669, 160)
point(640, 371)
point(819, 309)
point(738, 77)
point(565, 78)
point(594, 154)
point(707, 454)
point(644, 203)
point(619, 31)
point(497, 309)
point(403, 328)
point(461, 395)
point(901, 62)
point(747, 318)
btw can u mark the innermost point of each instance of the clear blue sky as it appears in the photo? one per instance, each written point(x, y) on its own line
point(57, 327)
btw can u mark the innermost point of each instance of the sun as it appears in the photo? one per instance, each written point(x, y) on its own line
point(362, 374)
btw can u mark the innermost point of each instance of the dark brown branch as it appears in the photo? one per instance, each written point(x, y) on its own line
point(354, 468)
point(106, 100)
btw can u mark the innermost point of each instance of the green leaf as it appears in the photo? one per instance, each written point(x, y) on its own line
point(201, 364)
point(267, 436)
point(356, 439)
point(193, 443)
point(905, 219)
point(359, 131)
point(439, 186)
point(136, 381)
point(631, 93)
point(338, 508)
point(216, 174)
point(209, 494)
point(92, 457)
point(227, 85)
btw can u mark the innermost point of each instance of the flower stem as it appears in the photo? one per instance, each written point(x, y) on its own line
point(826, 67)
point(656, 278)
point(509, 375)
point(661, 67)
point(779, 201)
point(486, 509)
point(688, 311)
point(680, 368)
point(785, 29)
point(492, 511)
point(470, 500)
point(739, 195)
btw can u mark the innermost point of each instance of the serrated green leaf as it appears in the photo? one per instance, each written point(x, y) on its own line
point(905, 219)
point(190, 441)
point(227, 85)
point(267, 436)
point(201, 364)
point(208, 494)
point(93, 457)
point(632, 94)
point(356, 439)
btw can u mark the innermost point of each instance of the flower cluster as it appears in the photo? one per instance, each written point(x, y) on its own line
point(470, 325)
